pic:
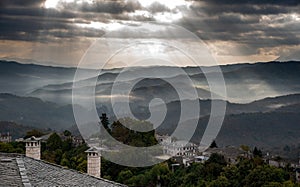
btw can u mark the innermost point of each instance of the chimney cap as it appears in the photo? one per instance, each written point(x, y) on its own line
point(93, 150)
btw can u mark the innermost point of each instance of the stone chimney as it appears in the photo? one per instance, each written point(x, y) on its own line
point(94, 162)
point(33, 147)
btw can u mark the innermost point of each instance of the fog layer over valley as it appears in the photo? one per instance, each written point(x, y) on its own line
point(262, 99)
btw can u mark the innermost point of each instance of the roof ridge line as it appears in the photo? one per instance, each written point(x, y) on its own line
point(22, 171)
point(73, 170)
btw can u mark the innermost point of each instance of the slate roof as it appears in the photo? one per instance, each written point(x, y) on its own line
point(9, 172)
point(19, 170)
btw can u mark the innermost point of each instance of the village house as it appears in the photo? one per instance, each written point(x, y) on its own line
point(175, 147)
point(230, 153)
point(5, 137)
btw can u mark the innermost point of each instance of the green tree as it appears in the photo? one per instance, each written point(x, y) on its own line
point(264, 175)
point(124, 176)
point(67, 144)
point(221, 181)
point(12, 147)
point(33, 132)
point(245, 148)
point(257, 152)
point(213, 145)
point(217, 158)
point(67, 133)
point(105, 122)
point(54, 142)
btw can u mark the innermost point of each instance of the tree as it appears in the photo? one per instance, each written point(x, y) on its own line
point(67, 133)
point(245, 148)
point(124, 176)
point(217, 158)
point(213, 145)
point(33, 132)
point(12, 147)
point(131, 137)
point(54, 142)
point(220, 182)
point(257, 152)
point(105, 122)
point(264, 175)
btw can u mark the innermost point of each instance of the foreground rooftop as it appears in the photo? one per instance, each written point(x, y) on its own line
point(19, 170)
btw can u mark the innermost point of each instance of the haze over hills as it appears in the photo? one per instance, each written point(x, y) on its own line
point(34, 112)
point(262, 99)
point(261, 123)
point(24, 78)
point(244, 82)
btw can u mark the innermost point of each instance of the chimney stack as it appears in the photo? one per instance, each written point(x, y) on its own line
point(33, 147)
point(94, 162)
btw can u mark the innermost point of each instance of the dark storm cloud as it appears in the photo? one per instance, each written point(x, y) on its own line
point(255, 24)
point(112, 7)
point(28, 20)
point(239, 21)
point(243, 29)
point(36, 12)
point(244, 7)
point(21, 3)
point(44, 25)
point(254, 2)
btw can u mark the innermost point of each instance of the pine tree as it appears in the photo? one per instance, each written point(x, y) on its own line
point(213, 145)
point(105, 122)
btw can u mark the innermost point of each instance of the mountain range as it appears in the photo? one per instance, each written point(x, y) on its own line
point(262, 98)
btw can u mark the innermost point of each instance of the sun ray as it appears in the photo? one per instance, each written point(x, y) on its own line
point(51, 3)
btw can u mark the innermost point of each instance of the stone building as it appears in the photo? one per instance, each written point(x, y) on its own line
point(230, 153)
point(180, 148)
point(77, 140)
point(6, 137)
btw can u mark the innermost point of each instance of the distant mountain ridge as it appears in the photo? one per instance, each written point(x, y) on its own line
point(263, 99)
point(244, 123)
point(244, 82)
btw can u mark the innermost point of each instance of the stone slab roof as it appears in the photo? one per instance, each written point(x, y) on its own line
point(9, 172)
point(18, 170)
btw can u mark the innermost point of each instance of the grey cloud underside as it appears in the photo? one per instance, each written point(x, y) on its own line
point(112, 7)
point(242, 22)
point(226, 20)
point(254, 2)
point(41, 28)
point(29, 22)
point(21, 3)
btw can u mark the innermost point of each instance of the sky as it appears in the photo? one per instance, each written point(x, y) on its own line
point(59, 32)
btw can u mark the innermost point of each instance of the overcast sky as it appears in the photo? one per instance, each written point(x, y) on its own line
point(58, 32)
